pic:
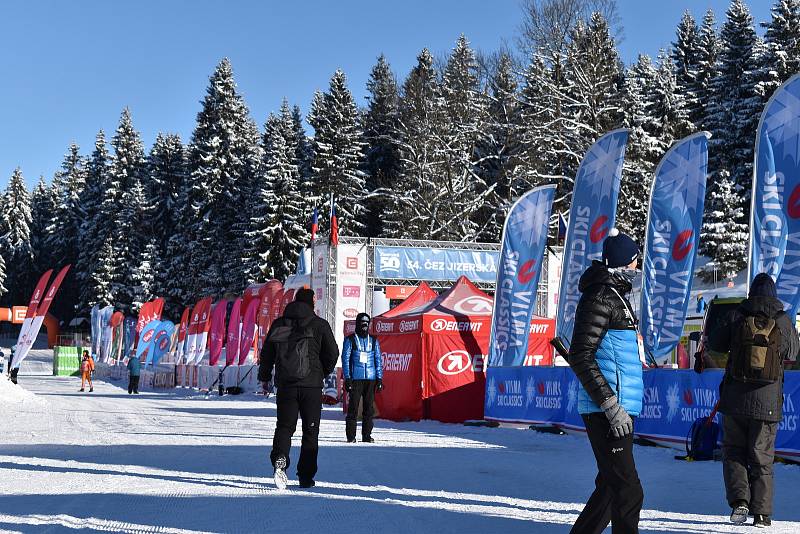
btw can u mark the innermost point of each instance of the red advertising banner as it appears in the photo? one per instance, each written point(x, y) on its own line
point(401, 400)
point(454, 379)
point(234, 327)
point(216, 337)
point(248, 330)
point(150, 311)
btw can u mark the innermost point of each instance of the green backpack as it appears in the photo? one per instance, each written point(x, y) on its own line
point(756, 351)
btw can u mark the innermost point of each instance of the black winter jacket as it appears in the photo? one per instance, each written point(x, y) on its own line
point(761, 402)
point(323, 351)
point(599, 310)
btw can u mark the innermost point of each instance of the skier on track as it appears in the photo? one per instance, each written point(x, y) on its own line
point(604, 356)
point(301, 348)
point(751, 397)
point(363, 375)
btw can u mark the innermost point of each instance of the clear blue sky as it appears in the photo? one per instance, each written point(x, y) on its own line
point(69, 67)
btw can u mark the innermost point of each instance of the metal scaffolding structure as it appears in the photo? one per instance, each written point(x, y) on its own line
point(373, 283)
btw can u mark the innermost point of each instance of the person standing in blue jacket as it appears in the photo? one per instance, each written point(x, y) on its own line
point(134, 371)
point(363, 375)
point(604, 354)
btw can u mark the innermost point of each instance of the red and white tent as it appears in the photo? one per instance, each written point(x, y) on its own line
point(434, 354)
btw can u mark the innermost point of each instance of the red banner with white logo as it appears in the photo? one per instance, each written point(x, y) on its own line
point(401, 399)
point(454, 379)
point(150, 311)
point(217, 332)
point(234, 327)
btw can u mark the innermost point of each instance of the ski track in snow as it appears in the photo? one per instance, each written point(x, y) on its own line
point(180, 463)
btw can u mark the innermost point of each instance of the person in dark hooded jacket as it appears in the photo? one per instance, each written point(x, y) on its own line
point(605, 357)
point(303, 396)
point(752, 410)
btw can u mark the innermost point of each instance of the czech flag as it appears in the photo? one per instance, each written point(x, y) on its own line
point(562, 227)
point(334, 224)
point(314, 225)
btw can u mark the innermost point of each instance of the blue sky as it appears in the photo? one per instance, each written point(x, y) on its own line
point(68, 68)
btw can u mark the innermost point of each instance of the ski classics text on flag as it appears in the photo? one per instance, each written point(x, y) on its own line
point(775, 213)
point(523, 244)
point(675, 219)
point(591, 217)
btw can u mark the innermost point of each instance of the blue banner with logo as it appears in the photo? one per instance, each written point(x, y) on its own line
point(144, 348)
point(406, 263)
point(524, 241)
point(775, 213)
point(674, 222)
point(673, 400)
point(161, 341)
point(591, 216)
point(128, 336)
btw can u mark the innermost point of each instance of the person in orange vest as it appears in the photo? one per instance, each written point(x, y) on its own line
point(87, 368)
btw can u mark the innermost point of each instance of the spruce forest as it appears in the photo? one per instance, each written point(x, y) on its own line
point(440, 153)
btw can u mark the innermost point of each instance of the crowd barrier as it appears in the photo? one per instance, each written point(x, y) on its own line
point(673, 399)
point(165, 376)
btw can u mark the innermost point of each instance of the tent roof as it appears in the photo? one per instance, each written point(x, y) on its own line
point(419, 298)
point(461, 300)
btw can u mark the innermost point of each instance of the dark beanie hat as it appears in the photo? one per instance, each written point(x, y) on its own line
point(362, 317)
point(763, 286)
point(619, 250)
point(305, 295)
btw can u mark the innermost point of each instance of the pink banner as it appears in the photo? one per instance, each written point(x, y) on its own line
point(234, 326)
point(248, 330)
point(216, 336)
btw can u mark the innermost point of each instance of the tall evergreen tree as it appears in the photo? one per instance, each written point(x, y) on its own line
point(382, 158)
point(733, 116)
point(95, 226)
point(125, 199)
point(277, 228)
point(708, 46)
point(593, 94)
point(65, 226)
point(224, 162)
point(43, 208)
point(502, 150)
point(167, 165)
point(420, 117)
point(781, 58)
point(686, 54)
point(338, 154)
point(725, 229)
point(15, 239)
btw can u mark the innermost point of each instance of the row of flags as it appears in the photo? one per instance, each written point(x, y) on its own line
point(673, 228)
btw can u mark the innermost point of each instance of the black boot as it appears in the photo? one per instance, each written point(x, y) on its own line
point(739, 512)
point(762, 521)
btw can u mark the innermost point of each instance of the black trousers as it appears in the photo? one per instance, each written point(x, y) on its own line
point(362, 389)
point(307, 403)
point(133, 384)
point(748, 451)
point(618, 494)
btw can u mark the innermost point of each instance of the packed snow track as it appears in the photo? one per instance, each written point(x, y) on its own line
point(178, 463)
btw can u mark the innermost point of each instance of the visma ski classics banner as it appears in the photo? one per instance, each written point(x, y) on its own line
point(524, 239)
point(591, 217)
point(775, 213)
point(674, 221)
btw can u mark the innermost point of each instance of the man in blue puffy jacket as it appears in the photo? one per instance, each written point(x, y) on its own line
point(134, 370)
point(363, 375)
point(604, 355)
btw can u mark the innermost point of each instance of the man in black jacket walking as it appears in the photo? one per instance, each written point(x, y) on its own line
point(299, 396)
point(752, 407)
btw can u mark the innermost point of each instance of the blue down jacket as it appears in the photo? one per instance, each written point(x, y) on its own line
point(604, 353)
point(352, 366)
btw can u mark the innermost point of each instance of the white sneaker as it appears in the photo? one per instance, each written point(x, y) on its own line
point(281, 480)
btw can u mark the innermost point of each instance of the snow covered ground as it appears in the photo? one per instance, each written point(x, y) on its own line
point(176, 462)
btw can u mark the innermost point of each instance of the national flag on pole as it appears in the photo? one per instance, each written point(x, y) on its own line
point(334, 224)
point(314, 225)
point(562, 227)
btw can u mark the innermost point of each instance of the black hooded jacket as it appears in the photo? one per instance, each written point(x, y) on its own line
point(599, 310)
point(323, 351)
point(761, 402)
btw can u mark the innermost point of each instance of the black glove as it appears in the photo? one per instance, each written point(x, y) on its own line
point(348, 385)
point(698, 362)
point(379, 385)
